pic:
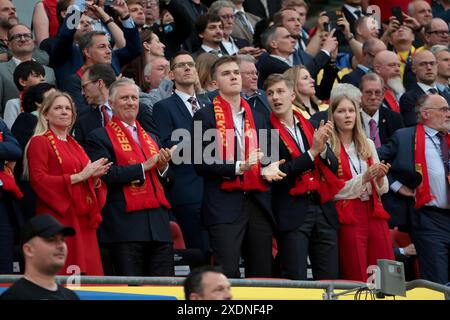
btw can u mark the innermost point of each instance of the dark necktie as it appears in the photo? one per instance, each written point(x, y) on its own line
point(105, 115)
point(240, 16)
point(217, 52)
point(357, 14)
point(374, 133)
point(194, 104)
point(444, 152)
point(432, 91)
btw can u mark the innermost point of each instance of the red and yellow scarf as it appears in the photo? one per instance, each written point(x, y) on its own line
point(7, 177)
point(345, 208)
point(320, 179)
point(93, 202)
point(150, 194)
point(423, 193)
point(252, 179)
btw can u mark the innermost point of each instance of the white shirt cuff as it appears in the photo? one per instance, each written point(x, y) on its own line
point(396, 185)
point(164, 173)
point(310, 155)
point(327, 53)
point(237, 169)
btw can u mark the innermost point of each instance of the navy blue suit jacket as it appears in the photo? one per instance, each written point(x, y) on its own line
point(10, 149)
point(290, 211)
point(408, 104)
point(171, 114)
point(399, 152)
point(222, 206)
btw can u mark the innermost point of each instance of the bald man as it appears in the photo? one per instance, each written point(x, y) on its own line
point(387, 66)
point(424, 65)
point(436, 32)
point(424, 146)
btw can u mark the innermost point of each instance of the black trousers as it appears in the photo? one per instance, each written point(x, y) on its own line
point(151, 258)
point(251, 236)
point(315, 237)
point(430, 231)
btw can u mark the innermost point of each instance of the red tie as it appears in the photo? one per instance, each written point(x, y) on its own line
point(391, 100)
point(105, 115)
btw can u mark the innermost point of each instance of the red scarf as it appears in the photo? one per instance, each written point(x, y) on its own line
point(423, 193)
point(21, 94)
point(345, 208)
point(320, 179)
point(391, 100)
point(93, 203)
point(80, 71)
point(224, 123)
point(150, 194)
point(7, 177)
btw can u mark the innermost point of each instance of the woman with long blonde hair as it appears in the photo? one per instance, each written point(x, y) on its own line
point(305, 101)
point(364, 234)
point(66, 183)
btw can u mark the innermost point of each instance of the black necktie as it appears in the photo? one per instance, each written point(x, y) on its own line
point(432, 91)
point(357, 14)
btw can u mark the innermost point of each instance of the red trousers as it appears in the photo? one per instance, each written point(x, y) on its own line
point(362, 243)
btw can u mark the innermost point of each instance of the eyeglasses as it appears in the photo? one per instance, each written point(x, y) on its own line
point(83, 85)
point(441, 33)
point(376, 93)
point(189, 64)
point(440, 109)
point(19, 36)
point(227, 17)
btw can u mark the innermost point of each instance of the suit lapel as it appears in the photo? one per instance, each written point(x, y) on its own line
point(382, 125)
point(11, 66)
point(181, 107)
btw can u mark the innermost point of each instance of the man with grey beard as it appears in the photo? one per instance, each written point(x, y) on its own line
point(424, 65)
point(387, 65)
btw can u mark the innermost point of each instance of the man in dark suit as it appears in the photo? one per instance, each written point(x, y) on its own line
point(256, 98)
point(135, 222)
point(425, 67)
point(280, 46)
point(95, 84)
point(10, 150)
point(419, 157)
point(236, 202)
point(174, 113)
point(306, 226)
point(370, 49)
point(379, 124)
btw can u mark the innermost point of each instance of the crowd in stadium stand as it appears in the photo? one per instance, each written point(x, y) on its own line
point(274, 148)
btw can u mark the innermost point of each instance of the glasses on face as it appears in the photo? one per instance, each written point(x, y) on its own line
point(83, 85)
point(376, 93)
point(189, 64)
point(441, 33)
point(20, 36)
point(440, 109)
point(227, 17)
point(426, 63)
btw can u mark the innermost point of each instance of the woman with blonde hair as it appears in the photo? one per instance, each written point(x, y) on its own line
point(66, 183)
point(364, 234)
point(203, 64)
point(305, 101)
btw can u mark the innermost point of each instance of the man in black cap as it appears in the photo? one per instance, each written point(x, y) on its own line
point(45, 252)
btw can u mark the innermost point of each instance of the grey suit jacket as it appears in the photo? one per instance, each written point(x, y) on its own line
point(8, 89)
point(239, 31)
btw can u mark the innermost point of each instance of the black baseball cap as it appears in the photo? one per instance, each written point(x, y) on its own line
point(45, 226)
